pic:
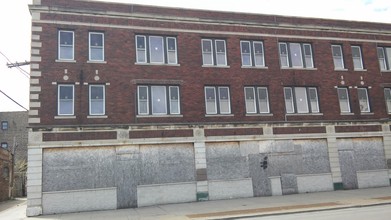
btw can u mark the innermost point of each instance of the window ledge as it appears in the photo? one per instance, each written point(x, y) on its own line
point(298, 68)
point(96, 61)
point(65, 61)
point(347, 113)
point(304, 114)
point(159, 116)
point(97, 116)
point(259, 114)
point(255, 67)
point(367, 113)
point(219, 115)
point(216, 66)
point(385, 71)
point(360, 70)
point(342, 70)
point(156, 64)
point(65, 117)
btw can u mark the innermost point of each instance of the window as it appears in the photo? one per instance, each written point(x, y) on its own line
point(337, 57)
point(387, 96)
point(296, 55)
point(156, 49)
point(214, 52)
point(357, 59)
point(97, 99)
point(65, 99)
point(65, 45)
point(363, 100)
point(96, 46)
point(343, 97)
point(4, 125)
point(301, 100)
point(217, 100)
point(257, 100)
point(384, 55)
point(4, 145)
point(158, 100)
point(252, 53)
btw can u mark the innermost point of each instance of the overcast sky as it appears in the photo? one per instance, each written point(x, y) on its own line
point(15, 22)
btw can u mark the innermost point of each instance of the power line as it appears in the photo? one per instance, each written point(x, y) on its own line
point(13, 100)
point(24, 72)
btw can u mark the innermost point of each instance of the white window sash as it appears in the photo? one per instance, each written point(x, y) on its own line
point(152, 52)
point(259, 57)
point(364, 101)
point(388, 57)
point(357, 61)
point(267, 110)
point(301, 99)
point(210, 101)
point(299, 56)
point(314, 102)
point(174, 102)
point(387, 97)
point(225, 101)
point(101, 101)
point(344, 102)
point(245, 54)
point(141, 50)
point(100, 47)
point(61, 46)
point(221, 54)
point(289, 101)
point(382, 58)
point(338, 60)
point(206, 54)
point(250, 103)
point(61, 102)
point(308, 58)
point(284, 59)
point(145, 100)
point(174, 57)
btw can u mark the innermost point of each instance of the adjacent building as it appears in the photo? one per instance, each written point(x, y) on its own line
point(13, 139)
point(134, 105)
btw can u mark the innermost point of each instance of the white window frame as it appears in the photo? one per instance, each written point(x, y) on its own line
point(310, 56)
point(172, 50)
point(284, 57)
point(96, 47)
point(150, 49)
point(211, 61)
point(61, 46)
point(361, 67)
point(221, 53)
point(103, 99)
point(4, 125)
point(153, 94)
point(347, 99)
point(252, 53)
point(138, 101)
point(214, 102)
point(220, 100)
point(384, 62)
point(287, 58)
point(364, 103)
point(340, 58)
point(295, 99)
point(171, 100)
point(387, 93)
point(254, 101)
point(267, 100)
point(140, 49)
point(59, 100)
point(291, 45)
point(213, 53)
point(255, 54)
point(246, 53)
point(257, 99)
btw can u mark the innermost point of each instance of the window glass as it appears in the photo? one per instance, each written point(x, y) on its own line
point(141, 49)
point(96, 46)
point(250, 100)
point(207, 55)
point(313, 100)
point(65, 45)
point(382, 60)
point(156, 49)
point(246, 53)
point(210, 97)
point(258, 54)
point(97, 100)
point(308, 56)
point(174, 100)
point(159, 105)
point(143, 104)
point(343, 100)
point(220, 53)
point(388, 56)
point(296, 56)
point(263, 100)
point(225, 107)
point(337, 57)
point(283, 55)
point(65, 103)
point(301, 100)
point(356, 54)
point(387, 96)
point(4, 125)
point(363, 99)
point(4, 145)
point(171, 50)
point(288, 100)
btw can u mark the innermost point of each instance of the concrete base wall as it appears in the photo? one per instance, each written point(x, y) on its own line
point(79, 200)
point(372, 178)
point(315, 183)
point(148, 195)
point(229, 189)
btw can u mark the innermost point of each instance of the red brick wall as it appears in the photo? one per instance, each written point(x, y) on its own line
point(120, 70)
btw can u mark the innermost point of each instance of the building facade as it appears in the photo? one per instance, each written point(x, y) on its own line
point(134, 105)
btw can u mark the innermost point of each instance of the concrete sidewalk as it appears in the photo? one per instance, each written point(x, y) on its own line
point(226, 209)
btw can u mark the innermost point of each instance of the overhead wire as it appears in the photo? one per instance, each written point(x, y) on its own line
point(13, 100)
point(24, 72)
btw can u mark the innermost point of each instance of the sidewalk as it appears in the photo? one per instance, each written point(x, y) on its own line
point(226, 209)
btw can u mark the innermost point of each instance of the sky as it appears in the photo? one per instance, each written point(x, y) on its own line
point(15, 26)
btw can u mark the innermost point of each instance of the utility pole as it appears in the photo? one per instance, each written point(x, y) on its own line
point(16, 64)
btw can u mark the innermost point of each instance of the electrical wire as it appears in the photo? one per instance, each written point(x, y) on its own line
point(24, 72)
point(13, 100)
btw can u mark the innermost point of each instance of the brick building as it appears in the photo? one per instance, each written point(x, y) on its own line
point(136, 105)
